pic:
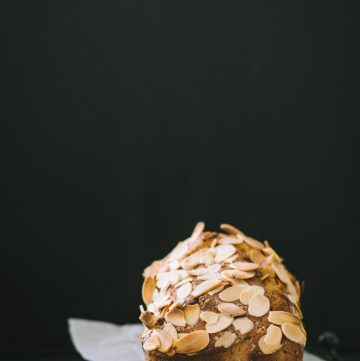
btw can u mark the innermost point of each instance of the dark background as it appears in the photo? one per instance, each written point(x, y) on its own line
point(125, 122)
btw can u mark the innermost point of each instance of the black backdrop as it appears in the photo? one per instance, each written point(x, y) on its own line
point(125, 122)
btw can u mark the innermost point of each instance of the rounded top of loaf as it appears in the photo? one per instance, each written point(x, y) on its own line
point(218, 296)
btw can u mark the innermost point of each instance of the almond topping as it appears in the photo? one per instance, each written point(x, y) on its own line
point(232, 230)
point(230, 240)
point(217, 289)
point(186, 280)
point(270, 251)
point(222, 323)
point(152, 343)
point(225, 340)
point(244, 266)
point(281, 317)
point(232, 294)
point(247, 293)
point(192, 342)
point(165, 340)
point(209, 317)
point(259, 305)
point(240, 275)
point(176, 317)
point(281, 271)
point(265, 349)
point(294, 333)
point(231, 259)
point(148, 289)
point(254, 243)
point(230, 309)
point(273, 337)
point(224, 251)
point(243, 324)
point(148, 319)
point(183, 291)
point(257, 257)
point(205, 287)
point(192, 314)
point(171, 331)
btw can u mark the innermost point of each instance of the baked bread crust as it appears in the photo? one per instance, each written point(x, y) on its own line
point(259, 265)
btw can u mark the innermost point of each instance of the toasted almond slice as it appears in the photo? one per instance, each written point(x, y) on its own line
point(226, 340)
point(273, 337)
point(217, 289)
point(181, 283)
point(293, 333)
point(167, 278)
point(230, 309)
point(176, 304)
point(182, 334)
point(148, 289)
point(230, 240)
point(174, 265)
point(192, 314)
point(265, 349)
point(222, 323)
point(231, 259)
point(209, 317)
point(183, 291)
point(224, 251)
point(243, 324)
point(302, 328)
point(265, 276)
point(247, 293)
point(257, 257)
point(152, 343)
point(214, 268)
point(244, 266)
point(165, 340)
point(176, 317)
point(209, 276)
point(171, 331)
point(270, 251)
point(259, 305)
point(163, 301)
point(281, 271)
point(198, 271)
point(148, 319)
point(281, 317)
point(240, 275)
point(205, 286)
point(232, 230)
point(192, 342)
point(165, 310)
point(254, 243)
point(232, 294)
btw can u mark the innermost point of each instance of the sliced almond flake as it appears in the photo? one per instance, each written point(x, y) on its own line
point(224, 251)
point(254, 243)
point(152, 343)
point(217, 289)
point(195, 240)
point(165, 340)
point(198, 271)
point(244, 325)
point(265, 349)
point(192, 314)
point(179, 252)
point(182, 334)
point(240, 275)
point(214, 268)
point(152, 270)
point(222, 323)
point(232, 294)
point(171, 331)
point(153, 308)
point(226, 340)
point(265, 276)
point(202, 256)
point(257, 257)
point(302, 328)
point(164, 267)
point(270, 251)
point(244, 266)
point(231, 259)
point(165, 310)
point(171, 353)
point(205, 286)
point(148, 319)
point(209, 317)
point(230, 240)
point(183, 291)
point(209, 276)
point(273, 337)
point(181, 283)
point(247, 293)
point(230, 309)
point(148, 289)
point(176, 317)
point(232, 230)
point(281, 272)
point(156, 295)
point(192, 342)
point(167, 278)
point(176, 304)
point(174, 265)
point(163, 302)
point(259, 305)
point(293, 333)
point(281, 317)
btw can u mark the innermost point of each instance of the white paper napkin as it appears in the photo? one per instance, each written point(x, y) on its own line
point(102, 341)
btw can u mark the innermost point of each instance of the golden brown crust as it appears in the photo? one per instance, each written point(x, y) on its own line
point(246, 346)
